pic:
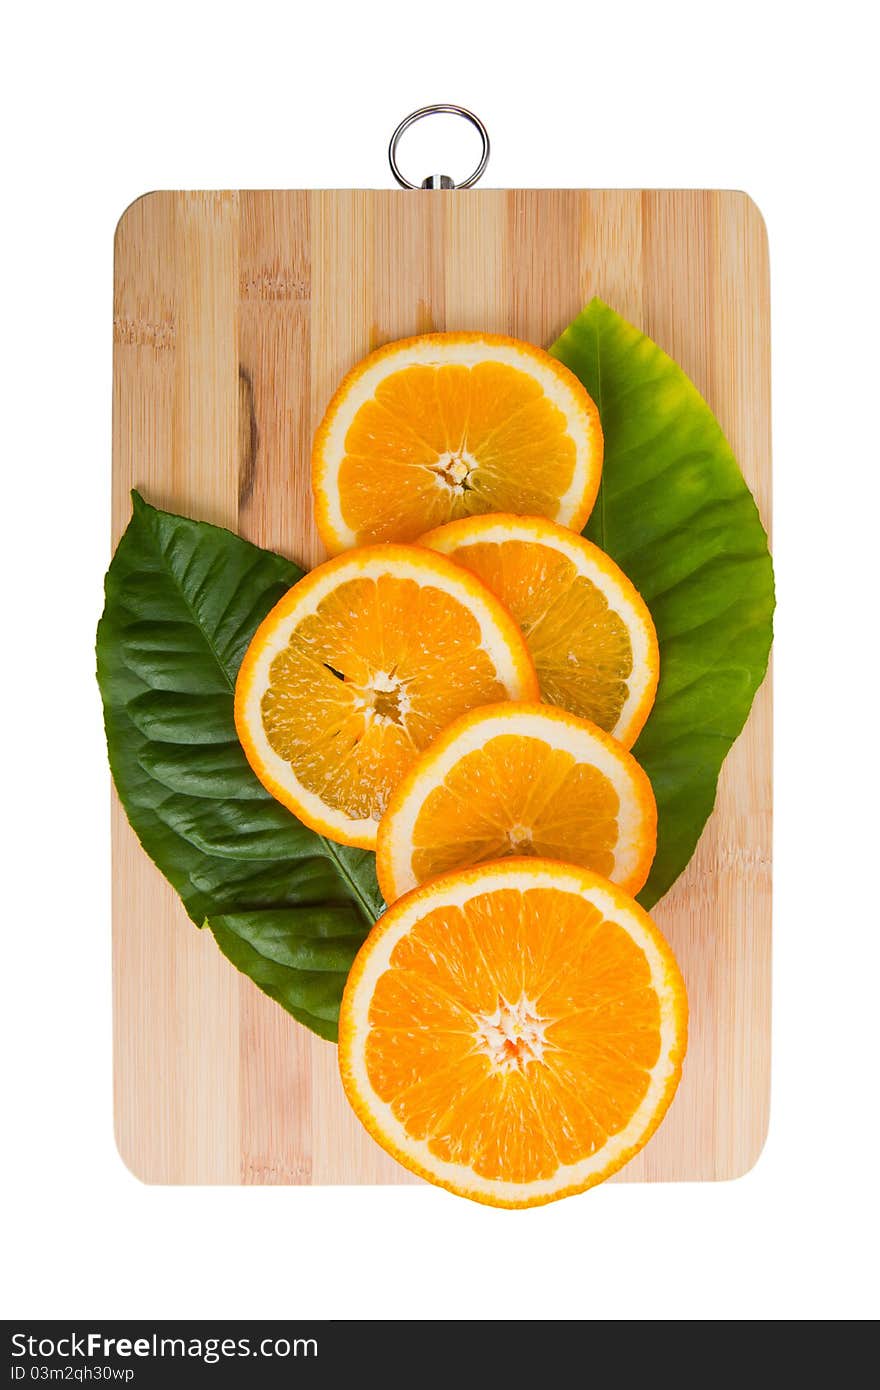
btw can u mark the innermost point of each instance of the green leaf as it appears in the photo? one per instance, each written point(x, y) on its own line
point(675, 513)
point(299, 956)
point(183, 600)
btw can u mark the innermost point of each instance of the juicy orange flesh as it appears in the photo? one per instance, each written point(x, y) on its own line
point(580, 646)
point(436, 443)
point(514, 1113)
point(516, 795)
point(367, 681)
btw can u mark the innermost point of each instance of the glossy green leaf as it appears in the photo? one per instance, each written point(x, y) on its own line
point(183, 600)
point(299, 956)
point(675, 513)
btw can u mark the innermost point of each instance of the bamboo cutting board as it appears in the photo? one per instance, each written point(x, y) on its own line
point(235, 316)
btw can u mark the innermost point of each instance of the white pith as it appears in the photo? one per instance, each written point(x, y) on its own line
point(616, 597)
point(512, 1035)
point(383, 683)
point(315, 590)
point(430, 354)
point(519, 835)
point(460, 1176)
point(453, 468)
point(557, 734)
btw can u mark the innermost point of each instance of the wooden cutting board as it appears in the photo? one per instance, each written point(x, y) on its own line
point(235, 316)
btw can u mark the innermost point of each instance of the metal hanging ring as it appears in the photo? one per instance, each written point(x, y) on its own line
point(439, 180)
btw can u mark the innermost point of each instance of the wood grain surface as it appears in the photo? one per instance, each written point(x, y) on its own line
point(235, 316)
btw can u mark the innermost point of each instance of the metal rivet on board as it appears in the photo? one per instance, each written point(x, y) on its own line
point(439, 180)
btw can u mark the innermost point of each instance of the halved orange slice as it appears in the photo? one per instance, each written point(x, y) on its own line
point(588, 628)
point(358, 668)
point(453, 424)
point(519, 779)
point(514, 1033)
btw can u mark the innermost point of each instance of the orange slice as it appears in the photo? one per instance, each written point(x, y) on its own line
point(514, 1033)
point(588, 628)
point(453, 424)
point(519, 779)
point(358, 668)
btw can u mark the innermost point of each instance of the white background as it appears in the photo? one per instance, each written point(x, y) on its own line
point(103, 103)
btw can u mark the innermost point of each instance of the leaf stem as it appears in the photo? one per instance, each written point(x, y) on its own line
point(334, 854)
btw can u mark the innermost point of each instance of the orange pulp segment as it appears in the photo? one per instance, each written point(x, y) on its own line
point(358, 668)
point(513, 1033)
point(519, 779)
point(589, 630)
point(448, 425)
